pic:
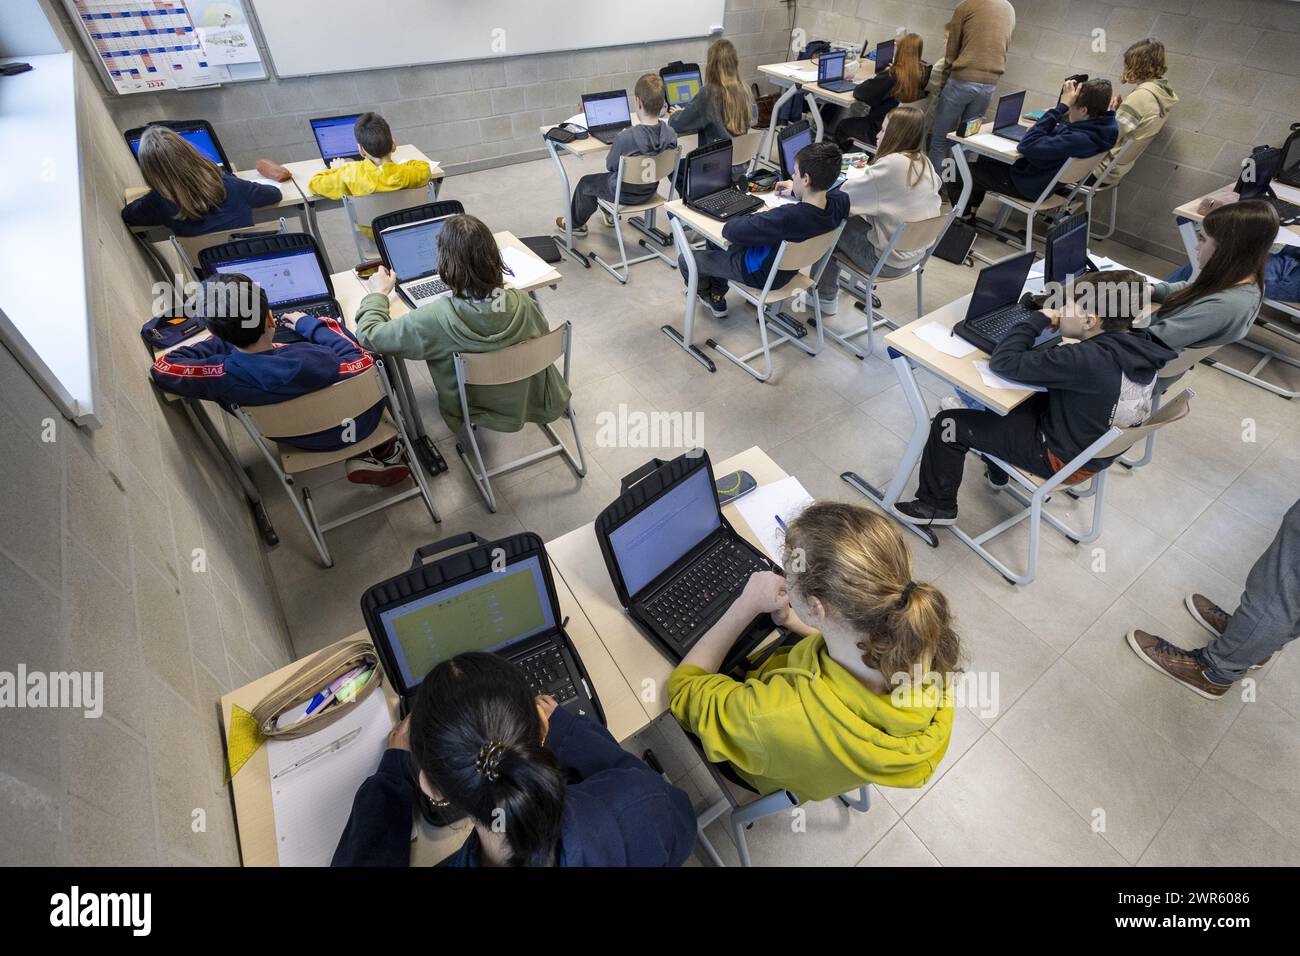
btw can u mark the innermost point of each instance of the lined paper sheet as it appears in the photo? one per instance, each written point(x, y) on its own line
point(312, 803)
point(760, 507)
point(527, 268)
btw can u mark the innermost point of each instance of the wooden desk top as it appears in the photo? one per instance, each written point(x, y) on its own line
point(576, 556)
point(305, 169)
point(783, 73)
point(349, 290)
point(1007, 154)
point(251, 786)
point(1188, 209)
point(960, 372)
point(591, 146)
point(706, 226)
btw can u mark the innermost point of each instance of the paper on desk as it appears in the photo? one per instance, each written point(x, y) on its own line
point(264, 181)
point(1285, 237)
point(771, 200)
point(527, 268)
point(990, 141)
point(994, 380)
point(760, 507)
point(939, 336)
point(578, 119)
point(312, 803)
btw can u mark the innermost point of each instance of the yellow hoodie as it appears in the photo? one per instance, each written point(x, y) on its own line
point(362, 177)
point(803, 723)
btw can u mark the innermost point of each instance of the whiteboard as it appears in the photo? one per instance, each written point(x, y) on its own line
point(343, 35)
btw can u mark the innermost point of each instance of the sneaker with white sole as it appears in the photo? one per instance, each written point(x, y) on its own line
point(382, 466)
point(577, 230)
point(829, 306)
point(1183, 666)
point(1214, 619)
point(919, 513)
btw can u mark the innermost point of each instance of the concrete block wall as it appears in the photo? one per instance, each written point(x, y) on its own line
point(98, 534)
point(1235, 65)
point(465, 115)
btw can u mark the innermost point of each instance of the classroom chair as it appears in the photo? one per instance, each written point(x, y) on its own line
point(1283, 330)
point(744, 148)
point(341, 402)
point(515, 363)
point(1115, 442)
point(808, 258)
point(188, 248)
point(1070, 173)
point(364, 210)
point(921, 236)
point(1090, 191)
point(638, 171)
point(1164, 382)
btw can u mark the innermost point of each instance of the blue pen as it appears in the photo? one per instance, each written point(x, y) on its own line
point(781, 524)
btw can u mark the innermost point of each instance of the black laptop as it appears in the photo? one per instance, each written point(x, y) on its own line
point(336, 137)
point(198, 133)
point(708, 184)
point(830, 72)
point(1259, 183)
point(675, 561)
point(1006, 121)
point(995, 305)
point(884, 55)
point(495, 596)
point(290, 269)
point(607, 114)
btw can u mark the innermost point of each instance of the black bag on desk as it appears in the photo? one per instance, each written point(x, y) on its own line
point(170, 329)
point(956, 243)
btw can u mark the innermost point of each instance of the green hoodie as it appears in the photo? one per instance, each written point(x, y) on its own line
point(1140, 117)
point(436, 331)
point(803, 723)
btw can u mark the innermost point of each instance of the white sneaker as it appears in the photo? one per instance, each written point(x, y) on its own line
point(951, 404)
point(831, 307)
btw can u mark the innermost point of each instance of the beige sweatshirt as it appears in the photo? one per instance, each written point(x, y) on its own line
point(885, 200)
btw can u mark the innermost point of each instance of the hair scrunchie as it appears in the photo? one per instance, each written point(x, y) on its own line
point(905, 596)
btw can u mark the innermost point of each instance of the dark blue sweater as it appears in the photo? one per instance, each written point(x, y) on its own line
point(755, 238)
point(235, 212)
point(216, 371)
point(1052, 140)
point(618, 813)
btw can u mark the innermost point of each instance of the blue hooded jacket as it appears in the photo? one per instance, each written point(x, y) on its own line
point(618, 813)
point(1053, 140)
point(216, 371)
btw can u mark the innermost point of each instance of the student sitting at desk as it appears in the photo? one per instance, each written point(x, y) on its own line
point(241, 364)
point(1105, 378)
point(1082, 125)
point(831, 712)
point(756, 238)
point(903, 81)
point(723, 109)
point(898, 186)
point(1237, 271)
point(541, 786)
point(1142, 114)
point(188, 193)
point(649, 137)
point(478, 316)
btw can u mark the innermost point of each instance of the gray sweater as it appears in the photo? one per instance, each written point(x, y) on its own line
point(639, 139)
point(1211, 320)
point(702, 115)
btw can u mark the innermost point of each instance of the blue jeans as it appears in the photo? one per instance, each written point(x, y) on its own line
point(958, 102)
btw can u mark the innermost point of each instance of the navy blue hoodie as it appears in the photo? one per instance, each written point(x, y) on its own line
point(1052, 140)
point(618, 813)
point(1091, 385)
point(755, 238)
point(234, 212)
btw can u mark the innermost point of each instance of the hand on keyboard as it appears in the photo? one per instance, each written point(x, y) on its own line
point(289, 320)
point(765, 593)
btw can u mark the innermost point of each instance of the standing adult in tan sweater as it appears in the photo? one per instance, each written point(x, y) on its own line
point(978, 36)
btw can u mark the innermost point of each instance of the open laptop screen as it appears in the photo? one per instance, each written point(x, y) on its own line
point(999, 284)
point(198, 137)
point(681, 87)
point(830, 66)
point(650, 541)
point(606, 109)
point(287, 277)
point(413, 250)
point(1067, 251)
point(1008, 113)
point(884, 55)
point(336, 137)
point(485, 613)
point(790, 146)
point(708, 170)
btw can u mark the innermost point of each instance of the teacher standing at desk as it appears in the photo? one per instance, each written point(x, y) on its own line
point(978, 36)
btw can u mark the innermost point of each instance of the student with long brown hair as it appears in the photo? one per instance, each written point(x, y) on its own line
point(723, 109)
point(1219, 305)
point(903, 81)
point(188, 193)
point(899, 186)
point(478, 316)
point(864, 696)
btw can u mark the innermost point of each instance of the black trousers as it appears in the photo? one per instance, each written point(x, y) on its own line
point(713, 269)
point(987, 175)
point(1014, 438)
point(591, 187)
point(864, 129)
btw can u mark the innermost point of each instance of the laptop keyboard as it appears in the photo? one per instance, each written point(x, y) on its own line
point(428, 289)
point(548, 673)
point(1285, 210)
point(324, 310)
point(718, 576)
point(996, 325)
point(727, 202)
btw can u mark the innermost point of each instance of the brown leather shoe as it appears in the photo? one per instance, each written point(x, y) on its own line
point(1214, 619)
point(272, 170)
point(1183, 666)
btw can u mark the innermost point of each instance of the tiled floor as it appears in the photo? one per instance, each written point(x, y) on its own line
point(1091, 757)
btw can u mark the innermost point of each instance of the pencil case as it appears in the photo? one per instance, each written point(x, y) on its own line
point(317, 673)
